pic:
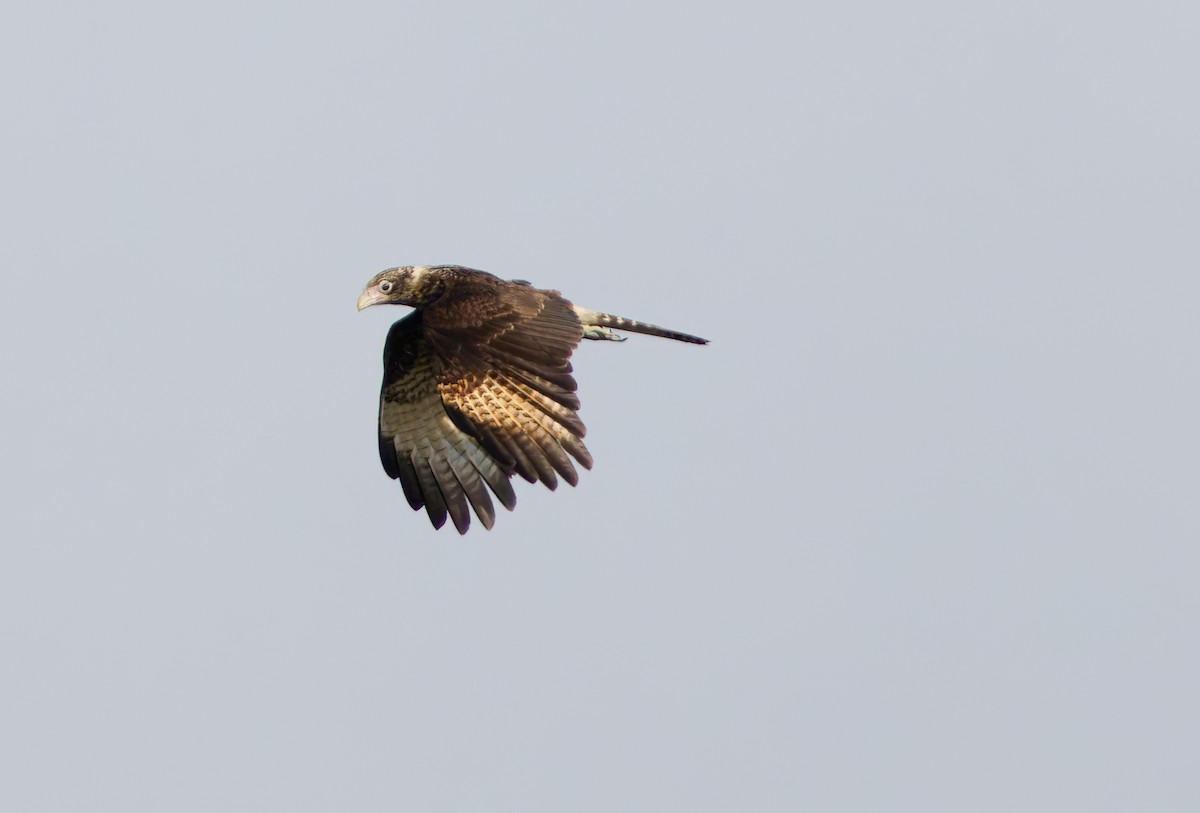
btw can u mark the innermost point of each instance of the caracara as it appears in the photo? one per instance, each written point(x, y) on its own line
point(477, 387)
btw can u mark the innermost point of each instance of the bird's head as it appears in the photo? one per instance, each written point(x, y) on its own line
point(410, 285)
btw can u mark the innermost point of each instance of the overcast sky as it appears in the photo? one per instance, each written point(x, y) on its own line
point(916, 532)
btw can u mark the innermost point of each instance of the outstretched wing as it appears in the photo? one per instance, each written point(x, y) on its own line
point(504, 352)
point(440, 467)
point(478, 386)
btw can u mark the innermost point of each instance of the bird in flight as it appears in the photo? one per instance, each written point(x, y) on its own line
point(477, 386)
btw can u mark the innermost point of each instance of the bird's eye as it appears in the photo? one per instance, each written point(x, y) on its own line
point(385, 287)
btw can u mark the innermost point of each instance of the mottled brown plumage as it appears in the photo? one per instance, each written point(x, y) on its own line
point(477, 386)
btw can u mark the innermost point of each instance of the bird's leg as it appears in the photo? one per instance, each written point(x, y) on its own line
point(602, 334)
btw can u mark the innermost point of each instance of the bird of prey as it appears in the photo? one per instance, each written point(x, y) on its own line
point(477, 386)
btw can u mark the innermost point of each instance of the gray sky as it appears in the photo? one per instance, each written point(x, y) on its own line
point(918, 531)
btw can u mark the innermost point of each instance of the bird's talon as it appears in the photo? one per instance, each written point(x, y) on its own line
point(602, 334)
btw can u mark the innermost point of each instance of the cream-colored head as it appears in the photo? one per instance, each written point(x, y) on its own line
point(410, 285)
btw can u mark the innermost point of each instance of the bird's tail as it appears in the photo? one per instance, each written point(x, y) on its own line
point(607, 320)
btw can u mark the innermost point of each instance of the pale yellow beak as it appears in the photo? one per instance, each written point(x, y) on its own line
point(369, 297)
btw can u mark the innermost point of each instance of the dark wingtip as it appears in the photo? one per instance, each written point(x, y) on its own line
point(437, 518)
point(506, 494)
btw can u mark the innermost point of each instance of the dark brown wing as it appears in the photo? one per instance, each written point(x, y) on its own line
point(441, 467)
point(504, 351)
